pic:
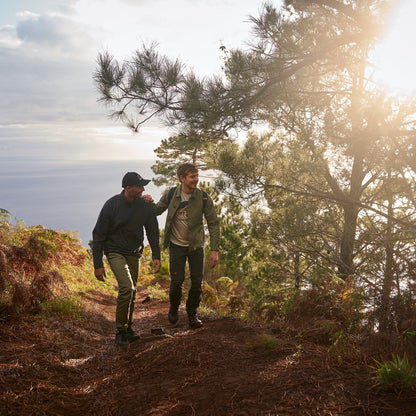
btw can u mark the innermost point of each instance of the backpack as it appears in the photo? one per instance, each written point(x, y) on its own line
point(172, 191)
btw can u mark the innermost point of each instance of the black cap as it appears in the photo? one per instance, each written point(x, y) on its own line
point(133, 179)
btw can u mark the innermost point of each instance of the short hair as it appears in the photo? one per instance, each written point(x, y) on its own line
point(185, 169)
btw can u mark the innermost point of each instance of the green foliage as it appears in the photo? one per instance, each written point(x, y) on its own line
point(342, 345)
point(157, 292)
point(5, 220)
point(396, 374)
point(290, 232)
point(175, 150)
point(69, 306)
point(409, 335)
point(146, 266)
point(328, 298)
point(328, 312)
point(267, 306)
point(264, 342)
point(327, 188)
point(235, 244)
point(224, 296)
point(39, 268)
point(150, 84)
point(80, 278)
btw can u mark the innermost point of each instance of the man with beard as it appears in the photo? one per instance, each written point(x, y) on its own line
point(119, 235)
point(184, 235)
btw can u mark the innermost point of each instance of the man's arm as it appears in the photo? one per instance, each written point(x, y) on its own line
point(100, 274)
point(156, 265)
point(152, 232)
point(213, 259)
point(163, 204)
point(213, 223)
point(99, 236)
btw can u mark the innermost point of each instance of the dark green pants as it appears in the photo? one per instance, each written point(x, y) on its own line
point(126, 271)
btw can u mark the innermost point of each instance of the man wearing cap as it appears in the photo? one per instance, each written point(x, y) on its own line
point(119, 235)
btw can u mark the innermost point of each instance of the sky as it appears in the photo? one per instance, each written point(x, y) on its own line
point(395, 56)
point(48, 52)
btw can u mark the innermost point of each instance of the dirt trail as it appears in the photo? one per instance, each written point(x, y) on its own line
point(53, 366)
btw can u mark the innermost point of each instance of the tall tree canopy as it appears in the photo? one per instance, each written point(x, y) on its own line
point(335, 139)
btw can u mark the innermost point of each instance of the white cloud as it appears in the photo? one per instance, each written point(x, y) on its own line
point(54, 35)
point(47, 58)
point(45, 80)
point(78, 141)
point(8, 37)
point(191, 30)
point(27, 15)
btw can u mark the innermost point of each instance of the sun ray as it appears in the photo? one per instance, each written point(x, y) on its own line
point(395, 57)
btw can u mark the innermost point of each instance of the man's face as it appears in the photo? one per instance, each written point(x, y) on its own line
point(134, 192)
point(190, 180)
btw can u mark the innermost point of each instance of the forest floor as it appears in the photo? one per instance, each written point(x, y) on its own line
point(53, 365)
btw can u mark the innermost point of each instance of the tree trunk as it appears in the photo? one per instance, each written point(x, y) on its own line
point(298, 276)
point(351, 210)
point(346, 265)
point(388, 271)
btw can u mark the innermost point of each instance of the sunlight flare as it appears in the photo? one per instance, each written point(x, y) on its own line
point(395, 59)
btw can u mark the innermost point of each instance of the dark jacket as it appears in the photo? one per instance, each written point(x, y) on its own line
point(196, 210)
point(119, 229)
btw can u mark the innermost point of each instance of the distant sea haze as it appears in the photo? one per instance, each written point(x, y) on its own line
point(66, 195)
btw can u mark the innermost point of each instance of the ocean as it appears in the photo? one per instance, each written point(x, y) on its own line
point(64, 195)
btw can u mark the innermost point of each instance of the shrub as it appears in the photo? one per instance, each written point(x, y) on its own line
point(397, 374)
point(31, 259)
point(67, 305)
point(329, 299)
point(224, 296)
point(157, 292)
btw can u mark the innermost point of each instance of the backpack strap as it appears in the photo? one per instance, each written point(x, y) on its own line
point(172, 191)
point(204, 198)
point(170, 194)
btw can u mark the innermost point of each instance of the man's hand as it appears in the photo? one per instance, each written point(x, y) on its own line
point(147, 198)
point(100, 274)
point(156, 265)
point(213, 259)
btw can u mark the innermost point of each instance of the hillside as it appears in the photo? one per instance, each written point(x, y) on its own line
point(52, 365)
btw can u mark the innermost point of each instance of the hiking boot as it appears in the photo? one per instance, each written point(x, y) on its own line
point(173, 316)
point(131, 335)
point(194, 321)
point(121, 339)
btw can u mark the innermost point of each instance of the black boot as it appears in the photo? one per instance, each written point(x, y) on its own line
point(173, 315)
point(131, 335)
point(121, 339)
point(194, 321)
